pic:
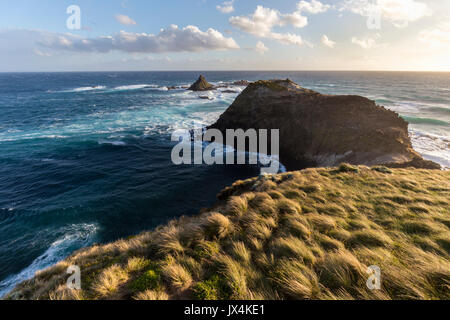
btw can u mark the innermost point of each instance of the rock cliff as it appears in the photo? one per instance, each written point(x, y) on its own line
point(323, 130)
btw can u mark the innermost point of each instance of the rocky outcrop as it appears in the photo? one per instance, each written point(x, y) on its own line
point(201, 85)
point(323, 130)
point(243, 83)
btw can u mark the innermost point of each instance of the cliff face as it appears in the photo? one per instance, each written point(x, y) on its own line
point(323, 130)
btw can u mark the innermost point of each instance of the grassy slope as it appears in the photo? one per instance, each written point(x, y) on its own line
point(302, 235)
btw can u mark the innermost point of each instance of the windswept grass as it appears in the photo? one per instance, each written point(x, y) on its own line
point(310, 234)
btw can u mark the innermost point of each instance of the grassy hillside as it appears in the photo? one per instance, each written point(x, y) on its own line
point(301, 235)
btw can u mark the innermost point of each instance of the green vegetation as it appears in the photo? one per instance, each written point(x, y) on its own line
point(150, 279)
point(212, 289)
point(310, 234)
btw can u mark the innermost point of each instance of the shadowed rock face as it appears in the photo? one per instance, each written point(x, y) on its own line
point(323, 130)
point(201, 85)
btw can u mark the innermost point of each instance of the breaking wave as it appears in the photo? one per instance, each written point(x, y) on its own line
point(75, 237)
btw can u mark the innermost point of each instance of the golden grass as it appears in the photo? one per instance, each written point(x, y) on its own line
point(109, 281)
point(151, 295)
point(310, 234)
point(176, 275)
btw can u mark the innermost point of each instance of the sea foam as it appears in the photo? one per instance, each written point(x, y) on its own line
point(75, 237)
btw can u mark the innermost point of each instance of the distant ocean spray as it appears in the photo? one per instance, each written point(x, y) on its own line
point(85, 157)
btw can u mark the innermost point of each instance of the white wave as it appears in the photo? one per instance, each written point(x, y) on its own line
point(432, 147)
point(82, 89)
point(75, 237)
point(113, 143)
point(135, 87)
point(235, 90)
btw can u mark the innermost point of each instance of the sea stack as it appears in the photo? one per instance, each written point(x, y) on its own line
point(201, 85)
point(318, 130)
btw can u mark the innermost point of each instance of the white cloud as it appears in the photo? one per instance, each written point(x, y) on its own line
point(365, 43)
point(41, 53)
point(296, 19)
point(287, 38)
point(438, 37)
point(313, 7)
point(125, 20)
point(171, 39)
point(398, 12)
point(262, 22)
point(261, 48)
point(226, 7)
point(327, 42)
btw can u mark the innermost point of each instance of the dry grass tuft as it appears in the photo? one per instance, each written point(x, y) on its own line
point(322, 223)
point(241, 253)
point(291, 247)
point(177, 276)
point(237, 206)
point(235, 275)
point(369, 238)
point(109, 281)
point(217, 226)
point(168, 241)
point(150, 295)
point(286, 206)
point(137, 264)
point(340, 270)
point(295, 280)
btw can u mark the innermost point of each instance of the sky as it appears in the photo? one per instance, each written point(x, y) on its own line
point(145, 35)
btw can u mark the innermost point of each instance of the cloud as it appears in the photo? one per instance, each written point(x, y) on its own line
point(398, 12)
point(327, 42)
point(261, 48)
point(437, 37)
point(41, 53)
point(287, 38)
point(313, 7)
point(262, 22)
point(125, 20)
point(365, 43)
point(226, 7)
point(171, 39)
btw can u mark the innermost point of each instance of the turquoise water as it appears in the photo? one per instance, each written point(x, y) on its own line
point(85, 157)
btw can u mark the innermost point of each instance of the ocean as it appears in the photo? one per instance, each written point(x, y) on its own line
point(85, 157)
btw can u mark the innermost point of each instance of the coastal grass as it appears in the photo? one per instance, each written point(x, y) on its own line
point(310, 234)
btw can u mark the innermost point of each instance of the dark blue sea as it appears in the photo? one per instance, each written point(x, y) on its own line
point(85, 157)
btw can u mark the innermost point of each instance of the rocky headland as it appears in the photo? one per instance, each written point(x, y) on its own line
point(318, 130)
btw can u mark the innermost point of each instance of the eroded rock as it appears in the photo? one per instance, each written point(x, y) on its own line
point(323, 130)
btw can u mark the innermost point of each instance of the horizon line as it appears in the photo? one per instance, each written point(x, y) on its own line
point(274, 70)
